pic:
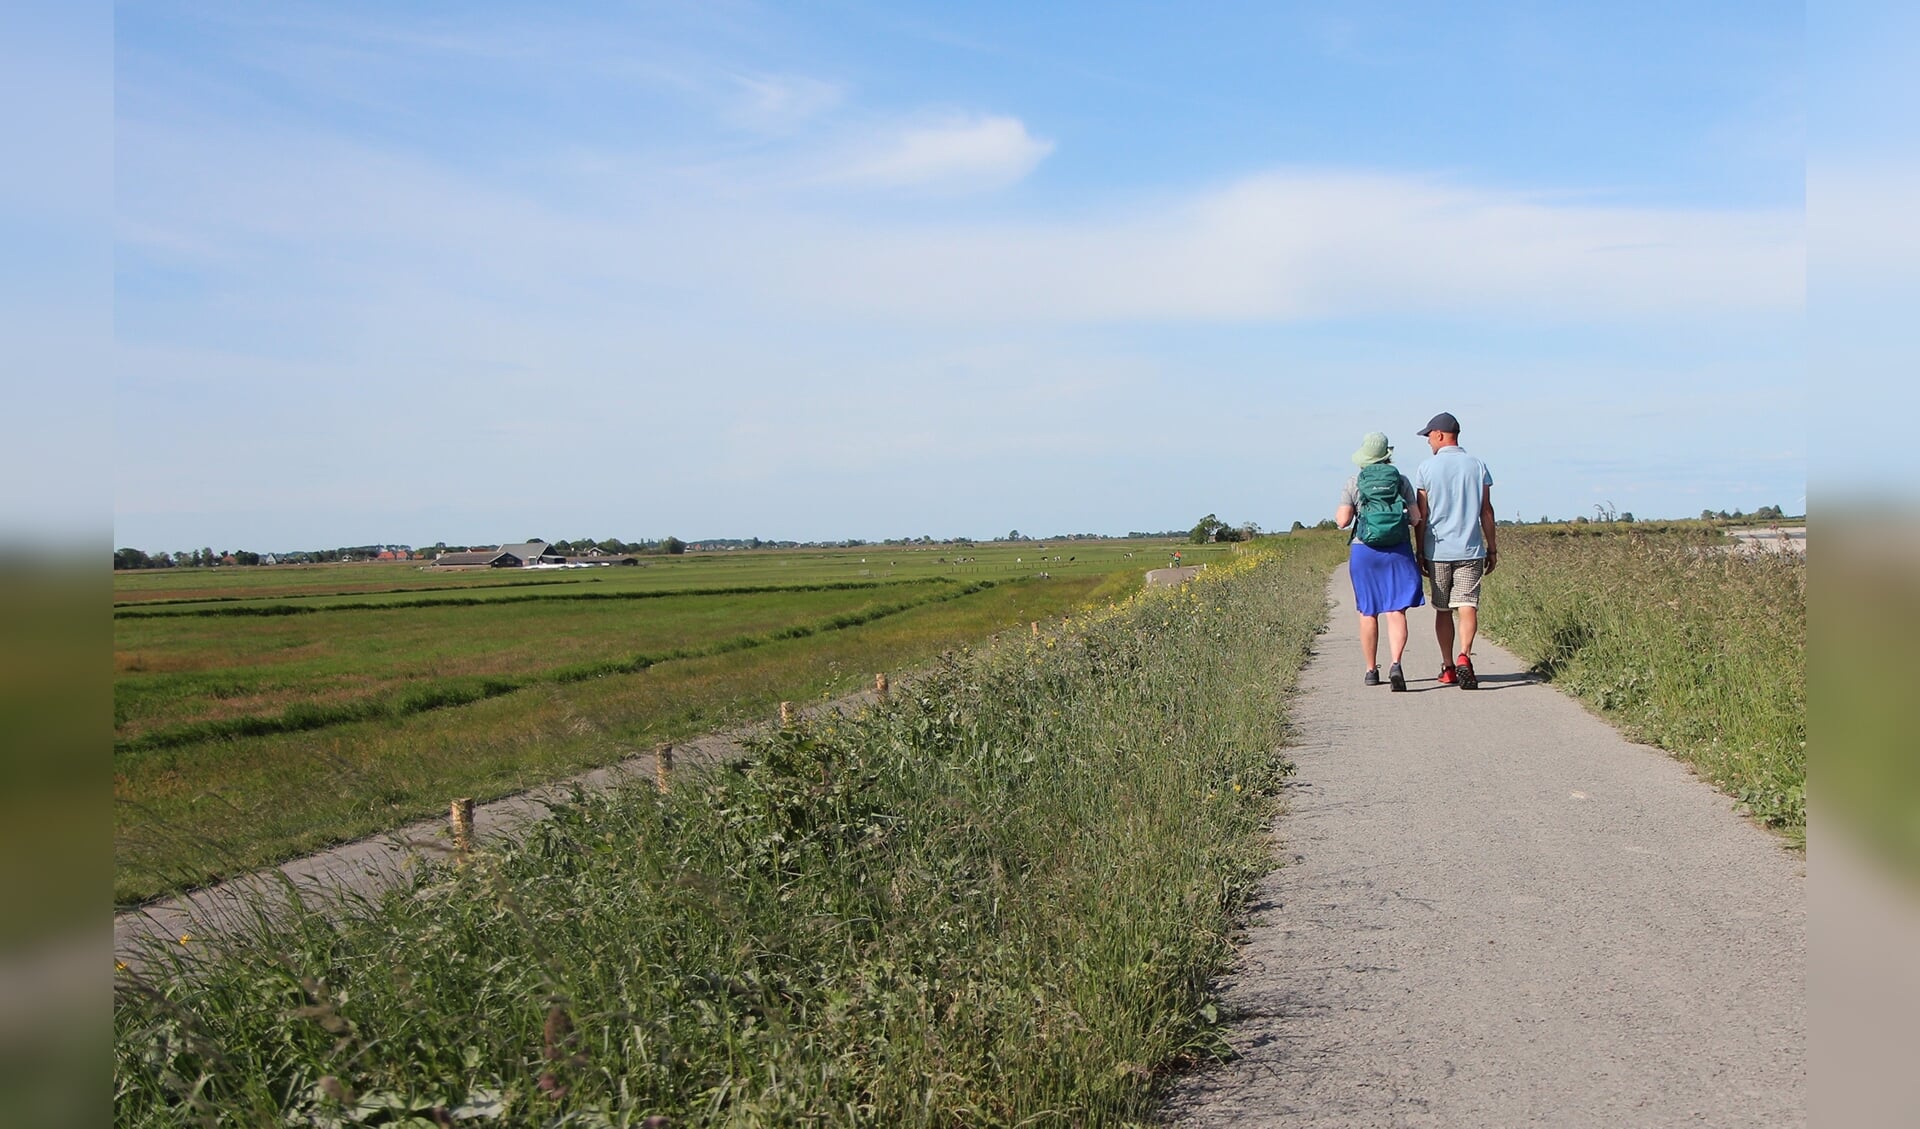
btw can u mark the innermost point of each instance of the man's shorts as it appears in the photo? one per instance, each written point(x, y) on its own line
point(1456, 584)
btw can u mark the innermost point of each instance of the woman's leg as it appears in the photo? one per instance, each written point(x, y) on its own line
point(1397, 633)
point(1370, 638)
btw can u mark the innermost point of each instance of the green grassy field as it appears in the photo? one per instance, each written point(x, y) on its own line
point(1680, 640)
point(999, 898)
point(275, 719)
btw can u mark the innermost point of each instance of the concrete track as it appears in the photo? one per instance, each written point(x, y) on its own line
point(1497, 911)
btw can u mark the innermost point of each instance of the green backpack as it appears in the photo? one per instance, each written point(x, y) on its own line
point(1381, 520)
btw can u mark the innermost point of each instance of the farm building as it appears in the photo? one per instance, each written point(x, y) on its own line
point(506, 556)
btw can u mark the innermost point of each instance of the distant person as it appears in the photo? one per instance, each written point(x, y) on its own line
point(1456, 495)
point(1384, 511)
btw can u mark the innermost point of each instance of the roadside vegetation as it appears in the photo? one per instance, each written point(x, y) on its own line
point(996, 898)
point(245, 739)
point(1683, 639)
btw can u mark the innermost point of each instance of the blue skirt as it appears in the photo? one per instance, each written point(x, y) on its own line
point(1384, 580)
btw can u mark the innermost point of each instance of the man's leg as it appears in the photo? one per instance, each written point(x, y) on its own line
point(1443, 630)
point(1469, 625)
point(1370, 640)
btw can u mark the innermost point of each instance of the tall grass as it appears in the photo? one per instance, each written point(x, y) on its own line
point(994, 900)
point(1688, 644)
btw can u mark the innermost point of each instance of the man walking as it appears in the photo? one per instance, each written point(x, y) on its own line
point(1456, 491)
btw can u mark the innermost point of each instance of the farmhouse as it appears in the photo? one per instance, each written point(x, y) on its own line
point(521, 555)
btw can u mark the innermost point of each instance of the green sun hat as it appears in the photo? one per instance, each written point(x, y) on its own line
point(1373, 449)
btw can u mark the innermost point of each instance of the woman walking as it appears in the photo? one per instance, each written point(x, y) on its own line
point(1384, 512)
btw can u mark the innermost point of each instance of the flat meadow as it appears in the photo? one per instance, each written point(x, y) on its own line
point(264, 712)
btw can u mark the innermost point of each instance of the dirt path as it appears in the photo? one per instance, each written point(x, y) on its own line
point(1496, 911)
point(370, 865)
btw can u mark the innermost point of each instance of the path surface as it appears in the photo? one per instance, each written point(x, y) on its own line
point(379, 862)
point(1495, 911)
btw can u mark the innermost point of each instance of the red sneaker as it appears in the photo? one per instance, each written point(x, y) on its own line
point(1446, 675)
point(1463, 669)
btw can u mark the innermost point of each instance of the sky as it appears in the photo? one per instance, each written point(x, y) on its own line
point(474, 273)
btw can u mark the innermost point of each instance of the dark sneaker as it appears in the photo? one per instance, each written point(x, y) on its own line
point(1372, 678)
point(1397, 679)
point(1446, 675)
point(1463, 667)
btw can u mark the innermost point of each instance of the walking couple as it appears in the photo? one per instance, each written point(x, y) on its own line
point(1438, 524)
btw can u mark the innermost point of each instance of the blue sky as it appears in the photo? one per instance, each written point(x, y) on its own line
point(472, 273)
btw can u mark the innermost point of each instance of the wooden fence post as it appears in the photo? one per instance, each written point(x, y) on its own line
point(786, 715)
point(460, 815)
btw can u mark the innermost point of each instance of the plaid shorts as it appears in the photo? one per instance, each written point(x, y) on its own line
point(1456, 584)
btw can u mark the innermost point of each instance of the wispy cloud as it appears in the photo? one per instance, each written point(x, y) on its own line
point(959, 154)
point(782, 103)
point(1282, 246)
point(1301, 245)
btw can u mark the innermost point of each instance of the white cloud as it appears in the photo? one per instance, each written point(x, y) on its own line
point(959, 154)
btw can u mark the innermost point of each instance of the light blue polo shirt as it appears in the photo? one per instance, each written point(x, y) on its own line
point(1456, 483)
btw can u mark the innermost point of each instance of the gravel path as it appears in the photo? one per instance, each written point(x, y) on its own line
point(1496, 911)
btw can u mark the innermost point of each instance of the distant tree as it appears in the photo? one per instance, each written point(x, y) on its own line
point(1297, 527)
point(207, 557)
point(130, 558)
point(1706, 515)
point(1204, 529)
point(1626, 515)
point(1014, 535)
point(1325, 523)
point(673, 545)
point(247, 557)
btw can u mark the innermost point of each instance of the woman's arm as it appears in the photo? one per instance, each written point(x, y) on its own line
point(1343, 516)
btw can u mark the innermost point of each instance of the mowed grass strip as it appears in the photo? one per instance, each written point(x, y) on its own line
point(195, 813)
point(1683, 641)
point(405, 600)
point(178, 681)
point(998, 900)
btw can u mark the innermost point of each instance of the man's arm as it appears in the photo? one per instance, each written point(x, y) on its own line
point(1486, 527)
point(1423, 508)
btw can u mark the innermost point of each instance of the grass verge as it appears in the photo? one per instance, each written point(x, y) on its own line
point(996, 900)
point(1685, 643)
